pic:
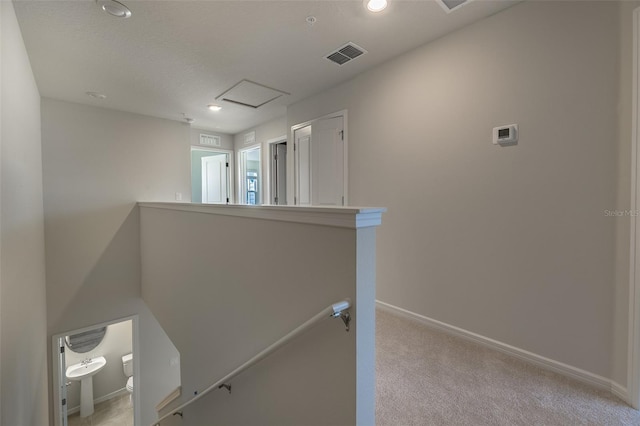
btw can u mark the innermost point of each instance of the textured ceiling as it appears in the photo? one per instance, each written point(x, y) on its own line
point(174, 57)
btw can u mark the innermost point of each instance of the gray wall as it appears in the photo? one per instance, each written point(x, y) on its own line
point(510, 243)
point(264, 132)
point(116, 343)
point(97, 163)
point(225, 302)
point(23, 337)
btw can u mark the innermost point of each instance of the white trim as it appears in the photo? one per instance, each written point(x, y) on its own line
point(169, 398)
point(279, 139)
point(538, 360)
point(620, 391)
point(633, 344)
point(345, 128)
point(342, 217)
point(241, 178)
point(104, 398)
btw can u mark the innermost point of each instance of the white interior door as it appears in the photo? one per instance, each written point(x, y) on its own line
point(327, 165)
point(303, 165)
point(320, 163)
point(215, 179)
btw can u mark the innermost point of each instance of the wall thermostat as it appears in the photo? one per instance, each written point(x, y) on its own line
point(505, 135)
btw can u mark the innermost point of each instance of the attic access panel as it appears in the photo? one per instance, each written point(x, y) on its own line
point(251, 94)
point(451, 5)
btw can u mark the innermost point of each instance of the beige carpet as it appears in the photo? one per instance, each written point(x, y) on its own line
point(426, 377)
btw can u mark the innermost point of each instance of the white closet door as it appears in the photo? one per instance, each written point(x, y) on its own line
point(327, 162)
point(214, 179)
point(303, 165)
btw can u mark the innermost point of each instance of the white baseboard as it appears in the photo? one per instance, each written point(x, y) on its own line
point(538, 360)
point(620, 391)
point(104, 398)
point(169, 398)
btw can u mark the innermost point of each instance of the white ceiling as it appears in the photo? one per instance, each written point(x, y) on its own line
point(174, 57)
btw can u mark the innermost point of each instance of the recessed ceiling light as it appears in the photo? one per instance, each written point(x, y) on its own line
point(214, 108)
point(114, 8)
point(96, 95)
point(375, 5)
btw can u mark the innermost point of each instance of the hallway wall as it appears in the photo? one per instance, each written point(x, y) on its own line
point(511, 243)
point(97, 163)
point(23, 356)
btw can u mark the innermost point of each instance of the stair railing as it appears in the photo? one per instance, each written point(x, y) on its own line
point(336, 310)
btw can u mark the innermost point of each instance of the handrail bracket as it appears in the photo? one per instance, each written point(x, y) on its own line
point(345, 316)
point(226, 386)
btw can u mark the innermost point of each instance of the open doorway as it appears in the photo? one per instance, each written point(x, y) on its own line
point(94, 375)
point(278, 171)
point(250, 176)
point(211, 176)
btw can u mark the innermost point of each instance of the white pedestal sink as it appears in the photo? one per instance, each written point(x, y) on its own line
point(84, 372)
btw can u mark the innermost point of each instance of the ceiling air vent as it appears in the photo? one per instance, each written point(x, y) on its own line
point(451, 5)
point(346, 53)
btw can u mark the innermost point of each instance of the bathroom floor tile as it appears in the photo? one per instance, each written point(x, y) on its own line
point(116, 411)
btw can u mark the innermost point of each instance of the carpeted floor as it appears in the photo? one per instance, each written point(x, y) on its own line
point(426, 377)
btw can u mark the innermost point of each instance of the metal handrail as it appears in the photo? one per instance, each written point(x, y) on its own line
point(337, 310)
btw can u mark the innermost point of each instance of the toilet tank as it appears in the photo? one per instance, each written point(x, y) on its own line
point(127, 365)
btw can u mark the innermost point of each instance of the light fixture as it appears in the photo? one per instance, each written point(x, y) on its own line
point(114, 8)
point(375, 5)
point(186, 118)
point(96, 95)
point(214, 108)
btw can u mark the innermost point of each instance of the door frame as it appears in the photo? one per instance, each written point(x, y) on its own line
point(231, 193)
point(241, 179)
point(135, 350)
point(633, 342)
point(269, 143)
point(345, 146)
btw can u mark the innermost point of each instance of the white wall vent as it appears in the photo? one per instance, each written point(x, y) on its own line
point(210, 140)
point(249, 138)
point(451, 5)
point(346, 53)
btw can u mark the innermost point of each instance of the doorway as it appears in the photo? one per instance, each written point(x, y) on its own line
point(320, 161)
point(211, 176)
point(278, 172)
point(250, 176)
point(93, 375)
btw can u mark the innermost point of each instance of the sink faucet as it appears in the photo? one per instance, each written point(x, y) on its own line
point(86, 361)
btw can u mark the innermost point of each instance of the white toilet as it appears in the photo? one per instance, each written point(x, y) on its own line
point(127, 366)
